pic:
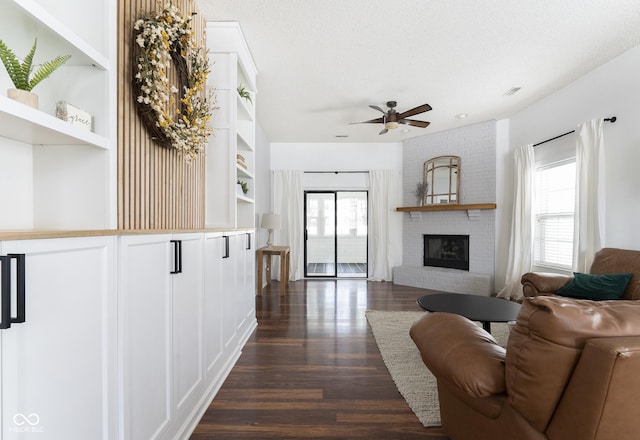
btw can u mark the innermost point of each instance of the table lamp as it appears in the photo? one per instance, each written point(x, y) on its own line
point(270, 221)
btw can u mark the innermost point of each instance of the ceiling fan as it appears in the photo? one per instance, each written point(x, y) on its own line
point(392, 118)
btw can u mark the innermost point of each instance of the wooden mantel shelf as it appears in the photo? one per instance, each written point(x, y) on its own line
point(447, 207)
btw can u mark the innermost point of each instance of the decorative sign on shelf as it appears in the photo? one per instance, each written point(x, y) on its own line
point(74, 116)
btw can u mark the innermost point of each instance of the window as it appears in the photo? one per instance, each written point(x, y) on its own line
point(555, 204)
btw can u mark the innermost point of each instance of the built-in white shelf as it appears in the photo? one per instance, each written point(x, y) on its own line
point(245, 111)
point(25, 124)
point(243, 198)
point(49, 27)
point(243, 142)
point(243, 173)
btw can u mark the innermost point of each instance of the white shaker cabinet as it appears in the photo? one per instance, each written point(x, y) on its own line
point(214, 355)
point(246, 286)
point(59, 377)
point(161, 332)
point(229, 291)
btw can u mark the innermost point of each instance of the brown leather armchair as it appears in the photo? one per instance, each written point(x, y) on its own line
point(569, 371)
point(606, 261)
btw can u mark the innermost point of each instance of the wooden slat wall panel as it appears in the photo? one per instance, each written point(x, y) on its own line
point(156, 189)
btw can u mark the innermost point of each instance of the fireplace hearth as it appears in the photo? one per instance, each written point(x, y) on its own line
point(450, 251)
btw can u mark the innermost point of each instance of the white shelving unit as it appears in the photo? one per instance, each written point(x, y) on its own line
point(58, 176)
point(234, 128)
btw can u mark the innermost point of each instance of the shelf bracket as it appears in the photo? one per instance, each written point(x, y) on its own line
point(474, 214)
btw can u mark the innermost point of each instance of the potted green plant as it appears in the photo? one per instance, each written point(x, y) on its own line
point(22, 76)
point(244, 93)
point(243, 185)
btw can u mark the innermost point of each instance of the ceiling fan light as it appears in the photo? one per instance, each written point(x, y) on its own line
point(390, 125)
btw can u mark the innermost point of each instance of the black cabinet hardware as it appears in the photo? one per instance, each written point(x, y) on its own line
point(5, 290)
point(248, 241)
point(226, 246)
point(177, 256)
point(5, 273)
point(20, 288)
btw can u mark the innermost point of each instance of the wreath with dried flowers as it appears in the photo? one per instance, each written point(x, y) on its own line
point(163, 40)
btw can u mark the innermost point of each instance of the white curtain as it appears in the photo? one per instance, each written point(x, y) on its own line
point(288, 201)
point(589, 210)
point(385, 234)
point(523, 221)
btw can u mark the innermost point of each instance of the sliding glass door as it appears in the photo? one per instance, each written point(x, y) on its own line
point(336, 234)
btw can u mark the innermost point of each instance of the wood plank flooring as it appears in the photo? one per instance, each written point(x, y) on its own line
point(312, 369)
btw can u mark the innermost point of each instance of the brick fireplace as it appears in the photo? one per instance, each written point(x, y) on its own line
point(476, 145)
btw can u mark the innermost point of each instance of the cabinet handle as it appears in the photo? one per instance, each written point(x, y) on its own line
point(5, 291)
point(248, 241)
point(177, 256)
point(20, 288)
point(226, 246)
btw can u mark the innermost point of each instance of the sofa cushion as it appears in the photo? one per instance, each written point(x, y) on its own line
point(613, 260)
point(546, 342)
point(595, 287)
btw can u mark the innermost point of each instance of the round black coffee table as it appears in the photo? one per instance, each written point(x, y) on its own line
point(486, 309)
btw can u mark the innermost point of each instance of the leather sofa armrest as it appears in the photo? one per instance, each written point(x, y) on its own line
point(604, 383)
point(542, 283)
point(459, 352)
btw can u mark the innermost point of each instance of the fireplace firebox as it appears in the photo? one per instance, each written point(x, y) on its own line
point(451, 251)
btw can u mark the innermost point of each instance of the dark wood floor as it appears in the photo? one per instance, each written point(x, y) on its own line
point(312, 369)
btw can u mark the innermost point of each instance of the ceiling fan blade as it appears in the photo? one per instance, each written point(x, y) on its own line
point(413, 122)
point(384, 130)
point(375, 107)
point(372, 121)
point(414, 111)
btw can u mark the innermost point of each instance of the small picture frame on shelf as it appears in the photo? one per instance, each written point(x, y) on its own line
point(74, 116)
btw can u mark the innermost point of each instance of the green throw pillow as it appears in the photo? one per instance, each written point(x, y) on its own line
point(595, 287)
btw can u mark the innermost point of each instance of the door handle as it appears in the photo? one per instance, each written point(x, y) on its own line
point(226, 246)
point(5, 290)
point(177, 256)
point(248, 241)
point(20, 288)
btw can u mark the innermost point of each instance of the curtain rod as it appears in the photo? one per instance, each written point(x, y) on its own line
point(611, 119)
point(336, 172)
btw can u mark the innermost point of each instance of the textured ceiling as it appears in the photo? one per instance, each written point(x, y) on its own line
point(321, 63)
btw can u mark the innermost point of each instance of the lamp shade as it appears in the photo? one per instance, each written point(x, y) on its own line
point(271, 221)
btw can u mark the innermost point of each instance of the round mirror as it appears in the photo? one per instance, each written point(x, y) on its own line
point(442, 180)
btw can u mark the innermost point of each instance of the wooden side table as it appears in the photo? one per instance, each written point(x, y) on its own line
point(270, 251)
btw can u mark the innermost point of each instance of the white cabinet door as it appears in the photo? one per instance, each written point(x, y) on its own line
point(59, 377)
point(239, 293)
point(145, 310)
point(246, 287)
point(213, 347)
point(250, 277)
point(187, 323)
point(229, 325)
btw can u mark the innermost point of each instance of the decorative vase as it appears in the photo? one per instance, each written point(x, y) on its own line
point(24, 97)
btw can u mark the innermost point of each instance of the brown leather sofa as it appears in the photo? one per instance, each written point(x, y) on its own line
point(606, 261)
point(569, 372)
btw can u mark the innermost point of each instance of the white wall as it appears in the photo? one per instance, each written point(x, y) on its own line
point(336, 156)
point(262, 182)
point(612, 89)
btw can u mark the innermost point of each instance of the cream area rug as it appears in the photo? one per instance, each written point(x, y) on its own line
point(414, 380)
